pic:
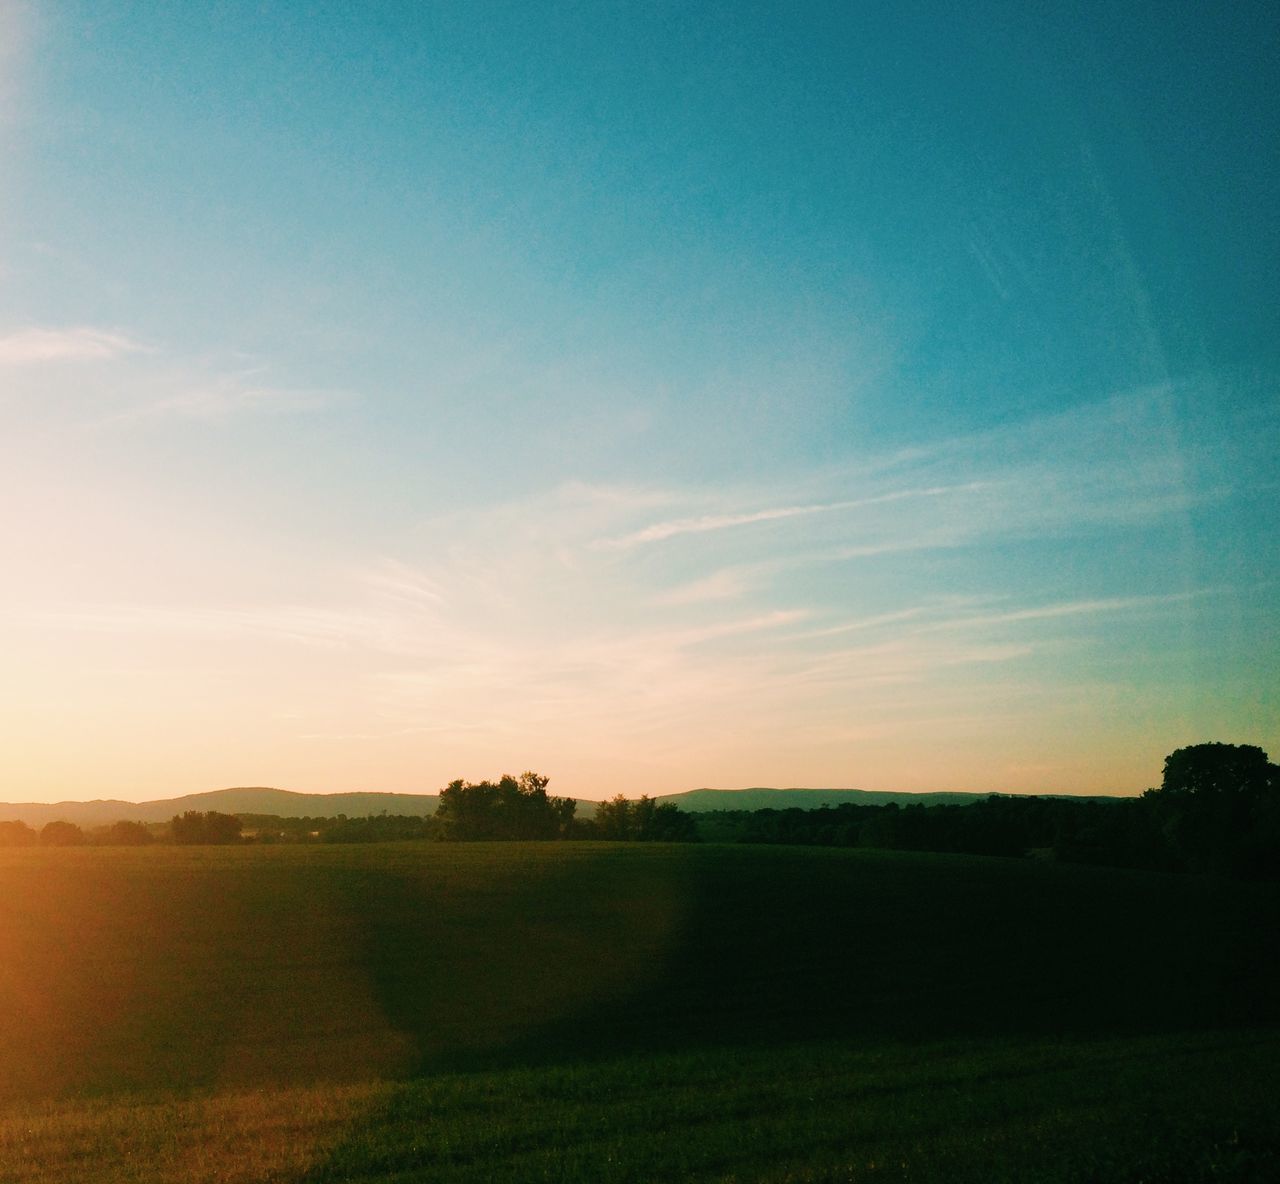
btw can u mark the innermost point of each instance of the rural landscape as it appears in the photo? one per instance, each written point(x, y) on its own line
point(200, 1005)
point(639, 592)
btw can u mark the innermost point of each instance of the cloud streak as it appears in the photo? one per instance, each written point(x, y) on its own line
point(232, 397)
point(702, 524)
point(34, 347)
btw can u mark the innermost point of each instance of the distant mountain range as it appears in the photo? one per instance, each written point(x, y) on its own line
point(287, 804)
point(242, 800)
point(760, 798)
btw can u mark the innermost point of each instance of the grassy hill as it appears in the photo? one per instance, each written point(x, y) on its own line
point(537, 1006)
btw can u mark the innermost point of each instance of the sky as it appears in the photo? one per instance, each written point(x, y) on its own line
point(652, 395)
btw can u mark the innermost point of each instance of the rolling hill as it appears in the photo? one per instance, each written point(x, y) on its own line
point(240, 800)
point(290, 804)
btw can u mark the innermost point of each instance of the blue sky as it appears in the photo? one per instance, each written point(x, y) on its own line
point(651, 395)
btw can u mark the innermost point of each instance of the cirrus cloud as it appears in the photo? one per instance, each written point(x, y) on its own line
point(38, 346)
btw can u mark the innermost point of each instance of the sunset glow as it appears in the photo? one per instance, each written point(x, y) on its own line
point(657, 397)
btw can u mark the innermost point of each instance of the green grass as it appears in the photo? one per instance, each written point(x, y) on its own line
point(1187, 1108)
point(598, 1012)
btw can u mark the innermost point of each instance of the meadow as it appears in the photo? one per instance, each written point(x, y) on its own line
point(593, 1011)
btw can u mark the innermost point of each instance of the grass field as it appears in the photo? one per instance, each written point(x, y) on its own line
point(598, 1012)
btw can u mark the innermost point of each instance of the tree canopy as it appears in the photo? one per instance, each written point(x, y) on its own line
point(194, 827)
point(1221, 769)
point(17, 834)
point(510, 808)
point(644, 820)
point(126, 834)
point(1218, 809)
point(61, 834)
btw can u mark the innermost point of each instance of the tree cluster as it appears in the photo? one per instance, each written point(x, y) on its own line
point(197, 827)
point(377, 828)
point(60, 833)
point(125, 834)
point(643, 820)
point(1217, 810)
point(53, 834)
point(17, 834)
point(509, 808)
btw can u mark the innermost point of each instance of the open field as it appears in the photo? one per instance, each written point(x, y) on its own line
point(597, 1012)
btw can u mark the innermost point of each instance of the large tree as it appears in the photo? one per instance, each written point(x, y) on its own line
point(1218, 769)
point(1218, 809)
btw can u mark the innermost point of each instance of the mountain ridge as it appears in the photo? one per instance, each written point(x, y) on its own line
point(289, 803)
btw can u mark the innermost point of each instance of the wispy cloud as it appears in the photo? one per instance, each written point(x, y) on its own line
point(29, 347)
point(1077, 608)
point(401, 583)
point(660, 531)
point(727, 584)
point(877, 621)
point(232, 396)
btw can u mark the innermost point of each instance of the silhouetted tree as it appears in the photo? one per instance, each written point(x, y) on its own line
point(1217, 810)
point(61, 834)
point(1217, 770)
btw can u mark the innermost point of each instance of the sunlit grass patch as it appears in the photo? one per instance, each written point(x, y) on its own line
point(1175, 1108)
point(255, 1135)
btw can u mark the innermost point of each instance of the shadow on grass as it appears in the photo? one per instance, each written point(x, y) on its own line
point(615, 949)
point(590, 952)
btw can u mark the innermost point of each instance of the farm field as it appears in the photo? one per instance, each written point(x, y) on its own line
point(629, 1012)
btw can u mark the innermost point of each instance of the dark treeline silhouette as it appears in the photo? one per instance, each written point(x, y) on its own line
point(338, 828)
point(17, 834)
point(124, 834)
point(60, 833)
point(376, 828)
point(643, 820)
point(205, 827)
point(520, 808)
point(1216, 810)
point(509, 808)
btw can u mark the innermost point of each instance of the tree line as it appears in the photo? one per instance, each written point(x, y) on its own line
point(521, 808)
point(1216, 810)
point(60, 833)
point(191, 827)
point(510, 808)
